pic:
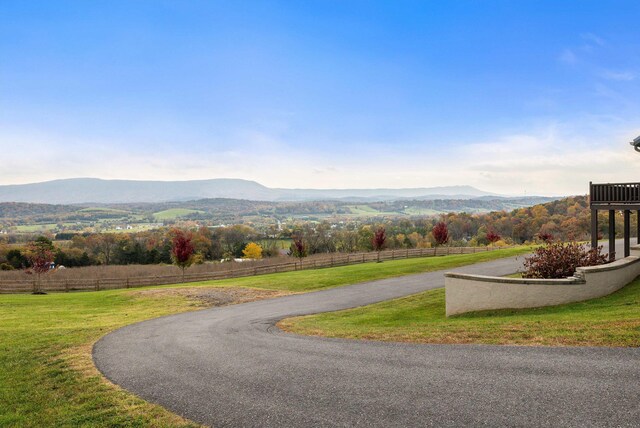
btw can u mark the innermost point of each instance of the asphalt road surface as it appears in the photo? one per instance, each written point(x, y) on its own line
point(232, 367)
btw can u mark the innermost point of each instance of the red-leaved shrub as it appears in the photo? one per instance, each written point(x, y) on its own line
point(558, 260)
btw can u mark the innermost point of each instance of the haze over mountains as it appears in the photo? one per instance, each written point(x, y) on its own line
point(93, 190)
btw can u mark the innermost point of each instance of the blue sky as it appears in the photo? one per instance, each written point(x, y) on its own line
point(512, 97)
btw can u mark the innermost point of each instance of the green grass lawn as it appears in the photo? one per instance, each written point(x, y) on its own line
point(608, 321)
point(46, 373)
point(317, 279)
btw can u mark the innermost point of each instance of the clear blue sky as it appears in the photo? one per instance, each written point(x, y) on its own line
point(509, 96)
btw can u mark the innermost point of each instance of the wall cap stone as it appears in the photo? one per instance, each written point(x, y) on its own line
point(520, 281)
point(609, 266)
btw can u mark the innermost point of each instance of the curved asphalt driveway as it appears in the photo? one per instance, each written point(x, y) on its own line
point(231, 367)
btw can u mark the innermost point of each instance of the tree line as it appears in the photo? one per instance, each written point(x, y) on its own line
point(562, 220)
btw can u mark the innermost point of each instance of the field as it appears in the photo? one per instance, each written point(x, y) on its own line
point(33, 228)
point(102, 210)
point(609, 321)
point(368, 211)
point(46, 374)
point(174, 213)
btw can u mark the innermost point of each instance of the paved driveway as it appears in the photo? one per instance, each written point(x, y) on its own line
point(231, 367)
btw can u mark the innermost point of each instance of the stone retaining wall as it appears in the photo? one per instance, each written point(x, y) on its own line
point(468, 293)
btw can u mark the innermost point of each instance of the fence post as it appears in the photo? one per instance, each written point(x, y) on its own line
point(66, 285)
point(331, 260)
point(393, 254)
point(97, 285)
point(362, 257)
point(127, 282)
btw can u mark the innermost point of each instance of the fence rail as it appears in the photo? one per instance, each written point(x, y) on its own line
point(615, 193)
point(318, 261)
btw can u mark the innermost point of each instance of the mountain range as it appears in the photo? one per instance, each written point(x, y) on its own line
point(94, 190)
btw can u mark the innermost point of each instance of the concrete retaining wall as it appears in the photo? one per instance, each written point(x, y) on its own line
point(468, 293)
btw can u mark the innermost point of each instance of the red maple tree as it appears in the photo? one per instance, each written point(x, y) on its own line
point(378, 240)
point(39, 254)
point(182, 249)
point(441, 233)
point(493, 236)
point(298, 248)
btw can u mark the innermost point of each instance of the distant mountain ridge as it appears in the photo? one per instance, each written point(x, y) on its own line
point(94, 190)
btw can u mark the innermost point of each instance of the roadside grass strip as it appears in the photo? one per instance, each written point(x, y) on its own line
point(613, 320)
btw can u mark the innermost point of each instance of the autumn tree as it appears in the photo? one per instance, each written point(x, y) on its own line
point(298, 248)
point(103, 245)
point(440, 233)
point(545, 237)
point(182, 249)
point(378, 240)
point(493, 237)
point(252, 251)
point(39, 255)
point(203, 242)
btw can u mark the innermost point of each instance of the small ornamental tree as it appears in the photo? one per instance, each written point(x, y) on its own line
point(378, 240)
point(441, 233)
point(493, 237)
point(558, 260)
point(298, 248)
point(252, 251)
point(39, 255)
point(182, 250)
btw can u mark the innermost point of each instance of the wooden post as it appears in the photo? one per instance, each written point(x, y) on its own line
point(627, 232)
point(97, 285)
point(612, 235)
point(127, 282)
point(638, 226)
point(66, 285)
point(594, 228)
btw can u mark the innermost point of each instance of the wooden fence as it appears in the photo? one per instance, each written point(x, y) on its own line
point(314, 262)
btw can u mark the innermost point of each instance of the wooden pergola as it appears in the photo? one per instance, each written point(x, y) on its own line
point(614, 197)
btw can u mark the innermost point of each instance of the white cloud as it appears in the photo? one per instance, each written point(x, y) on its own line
point(555, 159)
point(625, 76)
